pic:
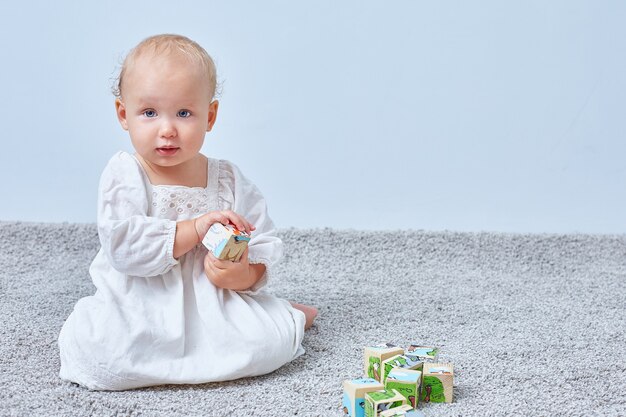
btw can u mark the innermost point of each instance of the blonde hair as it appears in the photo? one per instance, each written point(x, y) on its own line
point(164, 44)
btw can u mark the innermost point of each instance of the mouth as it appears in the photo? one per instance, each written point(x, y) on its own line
point(167, 150)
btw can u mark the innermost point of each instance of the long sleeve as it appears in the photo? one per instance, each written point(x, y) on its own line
point(240, 195)
point(134, 243)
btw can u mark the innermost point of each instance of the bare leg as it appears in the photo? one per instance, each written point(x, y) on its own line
point(309, 312)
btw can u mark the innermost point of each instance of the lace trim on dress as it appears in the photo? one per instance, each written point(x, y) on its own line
point(171, 203)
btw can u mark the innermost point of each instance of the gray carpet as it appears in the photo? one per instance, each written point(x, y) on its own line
point(534, 324)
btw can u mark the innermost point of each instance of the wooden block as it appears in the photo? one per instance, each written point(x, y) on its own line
point(407, 382)
point(354, 391)
point(374, 357)
point(437, 383)
point(226, 242)
point(400, 361)
point(402, 411)
point(378, 401)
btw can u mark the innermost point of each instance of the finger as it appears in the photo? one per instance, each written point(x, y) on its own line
point(215, 217)
point(216, 270)
point(221, 217)
point(218, 264)
point(238, 221)
point(213, 273)
point(212, 261)
point(248, 228)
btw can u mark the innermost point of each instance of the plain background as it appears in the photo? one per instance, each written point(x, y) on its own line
point(440, 115)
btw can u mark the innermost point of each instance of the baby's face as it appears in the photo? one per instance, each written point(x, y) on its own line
point(166, 108)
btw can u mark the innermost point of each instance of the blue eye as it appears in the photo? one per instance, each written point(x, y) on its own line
point(149, 113)
point(184, 113)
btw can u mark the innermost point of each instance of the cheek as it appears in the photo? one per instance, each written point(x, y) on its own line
point(138, 129)
point(139, 134)
point(196, 131)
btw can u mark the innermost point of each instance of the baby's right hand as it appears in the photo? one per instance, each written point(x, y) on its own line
point(204, 222)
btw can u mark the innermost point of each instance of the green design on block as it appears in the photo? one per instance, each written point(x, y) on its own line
point(380, 396)
point(432, 390)
point(369, 409)
point(373, 371)
point(407, 389)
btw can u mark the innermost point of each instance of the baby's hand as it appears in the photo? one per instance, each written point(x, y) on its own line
point(228, 274)
point(204, 222)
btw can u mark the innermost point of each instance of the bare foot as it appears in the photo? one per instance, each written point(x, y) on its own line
point(310, 313)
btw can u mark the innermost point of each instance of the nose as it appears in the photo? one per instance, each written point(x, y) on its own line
point(167, 129)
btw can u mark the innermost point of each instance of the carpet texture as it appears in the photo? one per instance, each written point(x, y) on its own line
point(534, 324)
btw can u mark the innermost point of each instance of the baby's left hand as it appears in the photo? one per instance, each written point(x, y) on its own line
point(228, 274)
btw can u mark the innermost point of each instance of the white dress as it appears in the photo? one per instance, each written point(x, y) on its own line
point(157, 320)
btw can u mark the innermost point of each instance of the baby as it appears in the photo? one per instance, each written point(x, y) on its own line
point(166, 311)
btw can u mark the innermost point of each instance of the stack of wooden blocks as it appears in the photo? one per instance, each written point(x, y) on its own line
point(395, 380)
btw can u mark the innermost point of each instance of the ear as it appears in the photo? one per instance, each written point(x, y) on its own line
point(212, 114)
point(120, 110)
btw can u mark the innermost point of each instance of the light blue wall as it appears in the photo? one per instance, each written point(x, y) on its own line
point(489, 115)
